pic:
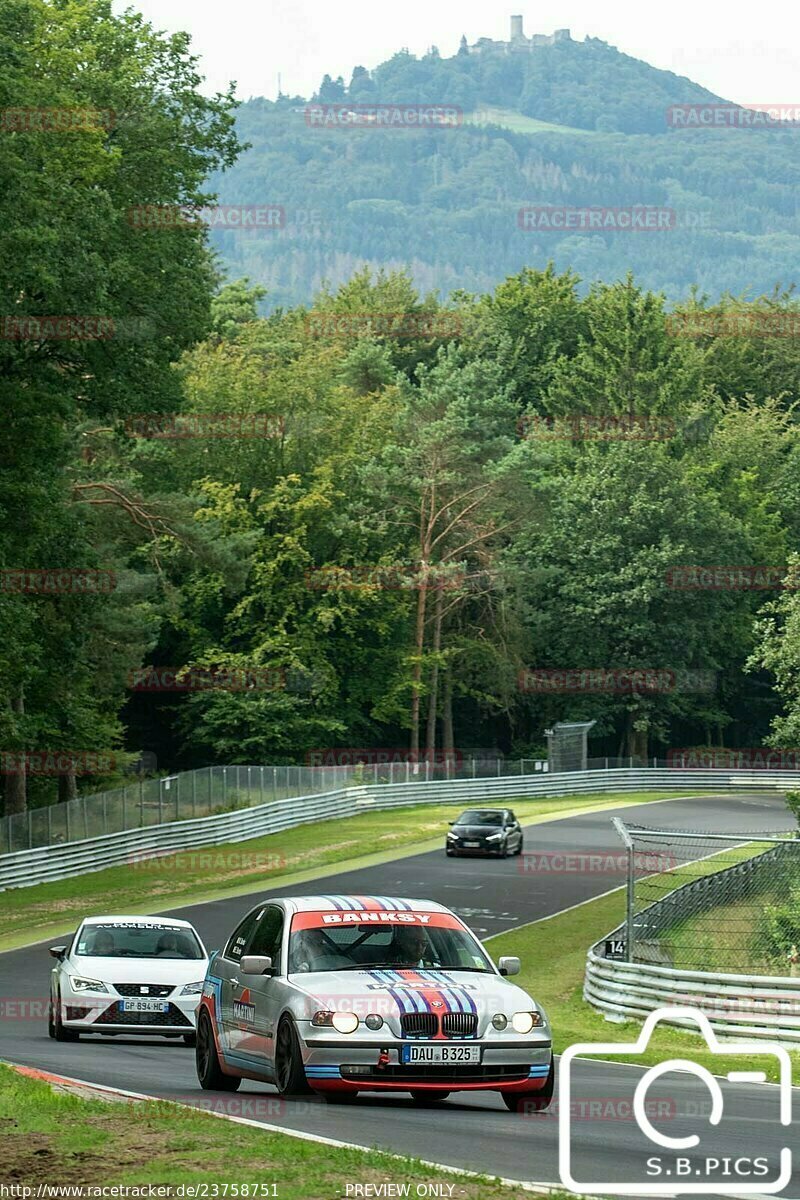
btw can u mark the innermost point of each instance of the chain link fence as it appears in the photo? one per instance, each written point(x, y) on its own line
point(212, 790)
point(706, 901)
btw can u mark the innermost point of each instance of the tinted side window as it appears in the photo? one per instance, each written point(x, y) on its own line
point(511, 818)
point(268, 935)
point(241, 935)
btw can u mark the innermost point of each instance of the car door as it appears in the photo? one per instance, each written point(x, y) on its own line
point(514, 831)
point(265, 991)
point(227, 969)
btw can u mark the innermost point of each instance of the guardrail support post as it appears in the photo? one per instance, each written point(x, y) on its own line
point(619, 825)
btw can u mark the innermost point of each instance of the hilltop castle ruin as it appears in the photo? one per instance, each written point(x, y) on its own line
point(518, 40)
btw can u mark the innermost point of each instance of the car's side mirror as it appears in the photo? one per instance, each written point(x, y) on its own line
point(257, 964)
point(58, 952)
point(508, 965)
point(451, 822)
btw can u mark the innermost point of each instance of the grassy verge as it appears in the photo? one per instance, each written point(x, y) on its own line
point(48, 909)
point(54, 1137)
point(553, 954)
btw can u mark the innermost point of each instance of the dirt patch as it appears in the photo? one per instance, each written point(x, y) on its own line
point(36, 1158)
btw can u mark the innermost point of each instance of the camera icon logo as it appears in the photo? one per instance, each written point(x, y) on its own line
point(684, 1173)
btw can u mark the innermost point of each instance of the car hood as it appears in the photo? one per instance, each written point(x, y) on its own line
point(391, 992)
point(138, 970)
point(476, 830)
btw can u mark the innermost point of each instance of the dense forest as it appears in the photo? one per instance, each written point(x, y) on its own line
point(376, 519)
point(574, 124)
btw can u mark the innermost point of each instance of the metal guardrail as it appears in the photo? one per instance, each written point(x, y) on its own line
point(28, 867)
point(736, 1005)
point(210, 790)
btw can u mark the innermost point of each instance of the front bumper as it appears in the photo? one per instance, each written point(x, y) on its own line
point(87, 1013)
point(347, 1065)
point(487, 849)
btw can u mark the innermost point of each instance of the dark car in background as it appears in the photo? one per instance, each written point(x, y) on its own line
point(493, 831)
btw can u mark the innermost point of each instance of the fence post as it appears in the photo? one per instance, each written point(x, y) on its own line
point(105, 810)
point(194, 793)
point(161, 801)
point(30, 826)
point(49, 824)
point(178, 796)
point(274, 783)
point(85, 819)
point(629, 905)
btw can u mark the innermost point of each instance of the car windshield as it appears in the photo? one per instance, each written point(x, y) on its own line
point(481, 816)
point(439, 943)
point(126, 939)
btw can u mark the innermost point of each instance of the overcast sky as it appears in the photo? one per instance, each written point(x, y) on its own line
point(748, 53)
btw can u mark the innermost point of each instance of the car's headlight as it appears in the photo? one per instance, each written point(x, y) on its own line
point(452, 837)
point(494, 837)
point(341, 1022)
point(524, 1022)
point(345, 1022)
point(193, 989)
point(86, 985)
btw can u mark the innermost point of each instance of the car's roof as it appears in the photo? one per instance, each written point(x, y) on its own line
point(483, 808)
point(363, 903)
point(138, 919)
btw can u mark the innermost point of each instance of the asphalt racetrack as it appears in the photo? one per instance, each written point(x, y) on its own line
point(471, 1130)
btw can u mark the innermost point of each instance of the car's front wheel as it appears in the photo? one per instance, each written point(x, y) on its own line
point(60, 1032)
point(530, 1102)
point(209, 1071)
point(290, 1076)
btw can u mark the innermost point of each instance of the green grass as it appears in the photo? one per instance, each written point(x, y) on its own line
point(553, 954)
point(60, 1138)
point(295, 855)
point(507, 118)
